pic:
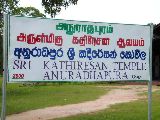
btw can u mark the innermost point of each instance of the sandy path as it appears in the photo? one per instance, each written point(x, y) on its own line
point(117, 95)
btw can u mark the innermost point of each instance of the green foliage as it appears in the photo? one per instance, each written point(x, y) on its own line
point(10, 7)
point(27, 11)
point(7, 5)
point(53, 7)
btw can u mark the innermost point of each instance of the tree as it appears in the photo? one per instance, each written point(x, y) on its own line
point(5, 5)
point(53, 7)
point(10, 7)
point(27, 11)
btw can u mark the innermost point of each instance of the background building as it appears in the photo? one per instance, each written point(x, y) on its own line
point(156, 52)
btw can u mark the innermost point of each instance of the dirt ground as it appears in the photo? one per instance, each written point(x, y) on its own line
point(118, 94)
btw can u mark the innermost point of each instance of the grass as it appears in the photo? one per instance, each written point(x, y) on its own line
point(22, 98)
point(137, 110)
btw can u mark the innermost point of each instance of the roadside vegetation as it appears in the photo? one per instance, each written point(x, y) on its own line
point(26, 97)
point(21, 98)
point(137, 110)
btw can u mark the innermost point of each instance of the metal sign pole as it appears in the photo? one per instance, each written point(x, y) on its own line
point(5, 39)
point(150, 81)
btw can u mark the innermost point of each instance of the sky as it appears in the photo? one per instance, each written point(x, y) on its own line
point(111, 11)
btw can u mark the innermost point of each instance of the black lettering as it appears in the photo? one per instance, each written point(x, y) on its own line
point(46, 76)
point(29, 65)
point(45, 65)
point(54, 65)
point(78, 75)
point(99, 76)
point(54, 75)
point(86, 74)
point(70, 74)
point(16, 66)
point(23, 64)
point(92, 66)
point(79, 65)
point(104, 66)
point(86, 66)
point(68, 64)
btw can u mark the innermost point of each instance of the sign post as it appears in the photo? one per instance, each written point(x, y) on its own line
point(5, 66)
point(150, 81)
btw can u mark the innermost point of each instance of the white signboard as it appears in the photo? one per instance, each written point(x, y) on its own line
point(61, 50)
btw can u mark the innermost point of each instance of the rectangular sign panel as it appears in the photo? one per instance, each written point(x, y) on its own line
point(62, 50)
